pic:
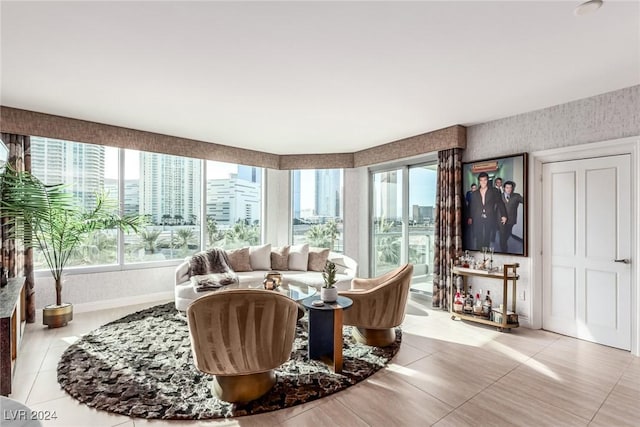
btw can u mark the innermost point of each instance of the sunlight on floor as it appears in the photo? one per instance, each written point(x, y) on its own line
point(71, 339)
point(543, 369)
point(524, 359)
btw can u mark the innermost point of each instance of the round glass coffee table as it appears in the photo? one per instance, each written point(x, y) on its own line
point(297, 291)
point(293, 289)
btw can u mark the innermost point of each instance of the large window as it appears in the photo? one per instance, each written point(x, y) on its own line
point(234, 205)
point(388, 222)
point(403, 201)
point(86, 170)
point(422, 200)
point(317, 208)
point(166, 190)
point(173, 194)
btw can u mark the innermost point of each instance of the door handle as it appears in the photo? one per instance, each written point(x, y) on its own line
point(623, 260)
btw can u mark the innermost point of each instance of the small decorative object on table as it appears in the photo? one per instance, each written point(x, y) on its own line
point(329, 293)
point(272, 280)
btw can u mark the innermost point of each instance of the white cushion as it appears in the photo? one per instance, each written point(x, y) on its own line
point(298, 257)
point(260, 257)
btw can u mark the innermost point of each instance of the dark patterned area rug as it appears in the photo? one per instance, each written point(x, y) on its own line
point(141, 366)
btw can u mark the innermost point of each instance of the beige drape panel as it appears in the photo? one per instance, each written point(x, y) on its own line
point(448, 228)
point(14, 257)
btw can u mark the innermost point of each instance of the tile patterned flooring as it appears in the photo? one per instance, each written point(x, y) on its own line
point(447, 373)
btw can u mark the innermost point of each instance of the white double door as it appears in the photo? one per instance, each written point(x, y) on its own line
point(586, 249)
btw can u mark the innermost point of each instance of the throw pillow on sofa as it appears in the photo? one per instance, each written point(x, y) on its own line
point(260, 257)
point(299, 257)
point(280, 258)
point(317, 259)
point(239, 259)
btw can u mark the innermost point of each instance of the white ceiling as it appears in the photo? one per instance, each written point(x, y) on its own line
point(310, 77)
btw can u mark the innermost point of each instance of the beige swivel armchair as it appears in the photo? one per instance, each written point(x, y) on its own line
point(241, 336)
point(379, 305)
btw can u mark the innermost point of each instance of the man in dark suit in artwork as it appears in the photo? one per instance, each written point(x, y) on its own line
point(486, 210)
point(511, 202)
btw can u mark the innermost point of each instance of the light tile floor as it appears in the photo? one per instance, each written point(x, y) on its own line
point(447, 373)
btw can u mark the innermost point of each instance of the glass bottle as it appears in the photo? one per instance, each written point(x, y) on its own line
point(457, 302)
point(468, 301)
point(487, 305)
point(477, 305)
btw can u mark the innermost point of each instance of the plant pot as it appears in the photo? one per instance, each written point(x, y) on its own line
point(329, 294)
point(57, 316)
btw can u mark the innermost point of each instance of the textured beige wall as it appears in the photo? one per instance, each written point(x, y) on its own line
point(25, 122)
point(316, 161)
point(603, 117)
point(451, 137)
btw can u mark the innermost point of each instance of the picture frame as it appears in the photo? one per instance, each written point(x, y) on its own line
point(495, 218)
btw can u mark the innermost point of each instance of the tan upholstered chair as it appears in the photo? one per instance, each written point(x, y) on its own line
point(241, 336)
point(379, 305)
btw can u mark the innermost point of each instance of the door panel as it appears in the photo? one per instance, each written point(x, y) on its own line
point(563, 233)
point(586, 226)
point(601, 298)
point(563, 298)
point(600, 200)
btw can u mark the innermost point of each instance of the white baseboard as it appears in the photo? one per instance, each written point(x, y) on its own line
point(122, 302)
point(524, 321)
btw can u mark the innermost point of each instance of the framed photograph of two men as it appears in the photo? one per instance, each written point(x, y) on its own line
point(494, 213)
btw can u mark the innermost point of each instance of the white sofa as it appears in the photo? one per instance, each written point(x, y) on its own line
point(347, 269)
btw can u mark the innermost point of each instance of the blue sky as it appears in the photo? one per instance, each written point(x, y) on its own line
point(422, 187)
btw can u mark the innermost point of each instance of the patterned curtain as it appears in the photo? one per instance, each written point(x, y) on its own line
point(17, 260)
point(448, 225)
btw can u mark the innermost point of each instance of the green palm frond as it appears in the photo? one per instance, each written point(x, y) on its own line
point(49, 218)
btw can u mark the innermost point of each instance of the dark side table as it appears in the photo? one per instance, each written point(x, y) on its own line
point(325, 330)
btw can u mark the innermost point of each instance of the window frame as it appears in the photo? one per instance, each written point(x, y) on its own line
point(121, 264)
point(404, 166)
point(292, 199)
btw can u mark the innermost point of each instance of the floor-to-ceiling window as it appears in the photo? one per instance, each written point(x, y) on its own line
point(234, 205)
point(388, 225)
point(86, 170)
point(166, 190)
point(422, 200)
point(402, 204)
point(173, 194)
point(317, 208)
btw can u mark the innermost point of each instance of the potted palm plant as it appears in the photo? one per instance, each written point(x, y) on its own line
point(48, 218)
point(328, 292)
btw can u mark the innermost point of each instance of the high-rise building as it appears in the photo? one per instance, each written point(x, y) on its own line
point(232, 199)
point(328, 184)
point(111, 188)
point(169, 186)
point(78, 165)
point(250, 173)
point(131, 196)
point(421, 214)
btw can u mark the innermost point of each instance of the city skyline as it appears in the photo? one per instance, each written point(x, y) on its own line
point(315, 192)
point(155, 185)
point(422, 191)
point(311, 199)
point(215, 170)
